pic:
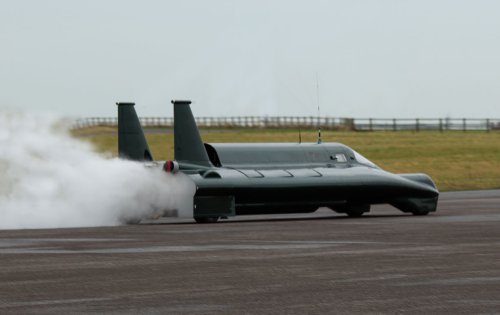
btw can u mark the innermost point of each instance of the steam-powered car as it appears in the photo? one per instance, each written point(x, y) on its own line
point(233, 179)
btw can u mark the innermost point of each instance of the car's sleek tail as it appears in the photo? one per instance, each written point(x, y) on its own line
point(189, 147)
point(132, 143)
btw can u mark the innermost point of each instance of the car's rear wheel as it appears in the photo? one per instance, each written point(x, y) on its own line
point(420, 213)
point(132, 221)
point(207, 220)
point(354, 214)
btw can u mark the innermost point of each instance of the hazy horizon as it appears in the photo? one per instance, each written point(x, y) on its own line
point(379, 59)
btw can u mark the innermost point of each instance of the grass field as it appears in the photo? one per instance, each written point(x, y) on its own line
point(455, 160)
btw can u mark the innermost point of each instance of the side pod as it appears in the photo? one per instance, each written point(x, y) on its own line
point(132, 143)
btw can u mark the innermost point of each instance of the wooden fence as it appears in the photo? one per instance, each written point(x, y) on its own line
point(418, 124)
point(228, 122)
point(354, 124)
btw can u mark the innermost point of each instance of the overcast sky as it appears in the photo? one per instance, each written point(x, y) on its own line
point(237, 58)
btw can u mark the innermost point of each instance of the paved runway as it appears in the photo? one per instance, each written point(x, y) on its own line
point(384, 263)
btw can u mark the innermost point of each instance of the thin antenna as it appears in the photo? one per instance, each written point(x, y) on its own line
point(317, 90)
point(319, 127)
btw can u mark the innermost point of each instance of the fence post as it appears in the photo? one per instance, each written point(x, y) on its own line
point(488, 125)
point(440, 124)
point(394, 124)
point(464, 126)
point(371, 125)
point(417, 125)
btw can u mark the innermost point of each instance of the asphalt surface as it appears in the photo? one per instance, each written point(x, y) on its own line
point(384, 263)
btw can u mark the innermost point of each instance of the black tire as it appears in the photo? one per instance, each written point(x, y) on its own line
point(420, 213)
point(132, 221)
point(207, 220)
point(352, 210)
point(354, 214)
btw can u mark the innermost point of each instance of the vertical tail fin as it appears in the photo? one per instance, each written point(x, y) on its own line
point(132, 143)
point(189, 147)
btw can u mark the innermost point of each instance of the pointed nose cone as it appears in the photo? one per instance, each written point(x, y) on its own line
point(421, 195)
point(425, 190)
point(421, 184)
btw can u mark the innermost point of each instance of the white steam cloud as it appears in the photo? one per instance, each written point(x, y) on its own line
point(50, 180)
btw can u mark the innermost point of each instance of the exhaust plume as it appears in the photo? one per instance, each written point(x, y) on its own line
point(50, 180)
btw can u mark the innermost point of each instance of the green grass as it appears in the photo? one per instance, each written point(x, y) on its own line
point(455, 160)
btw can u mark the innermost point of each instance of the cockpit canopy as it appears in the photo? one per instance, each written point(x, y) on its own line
point(362, 160)
point(268, 155)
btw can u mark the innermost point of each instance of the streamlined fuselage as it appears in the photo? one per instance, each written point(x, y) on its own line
point(270, 178)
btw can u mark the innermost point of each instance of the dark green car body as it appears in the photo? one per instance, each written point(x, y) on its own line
point(271, 178)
